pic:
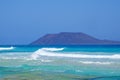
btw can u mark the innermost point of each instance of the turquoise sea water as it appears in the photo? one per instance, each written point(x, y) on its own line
point(60, 62)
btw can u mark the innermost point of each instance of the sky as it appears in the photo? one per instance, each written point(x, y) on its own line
point(23, 21)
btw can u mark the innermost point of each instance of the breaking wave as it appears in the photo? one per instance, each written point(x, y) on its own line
point(44, 51)
point(6, 48)
point(47, 52)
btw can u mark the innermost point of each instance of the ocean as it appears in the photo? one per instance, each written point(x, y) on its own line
point(88, 62)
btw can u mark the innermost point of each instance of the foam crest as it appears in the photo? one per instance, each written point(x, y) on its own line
point(95, 62)
point(52, 49)
point(36, 54)
point(6, 48)
point(42, 52)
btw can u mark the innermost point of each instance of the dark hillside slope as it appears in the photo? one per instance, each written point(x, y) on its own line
point(70, 38)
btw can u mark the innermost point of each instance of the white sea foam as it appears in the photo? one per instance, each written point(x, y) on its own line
point(10, 57)
point(43, 52)
point(52, 49)
point(15, 55)
point(6, 48)
point(42, 60)
point(95, 62)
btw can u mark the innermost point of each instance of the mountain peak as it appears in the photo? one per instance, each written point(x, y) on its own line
point(70, 38)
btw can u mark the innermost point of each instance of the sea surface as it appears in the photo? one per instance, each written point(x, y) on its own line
point(60, 62)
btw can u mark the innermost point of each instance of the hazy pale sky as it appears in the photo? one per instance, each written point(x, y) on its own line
point(23, 21)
